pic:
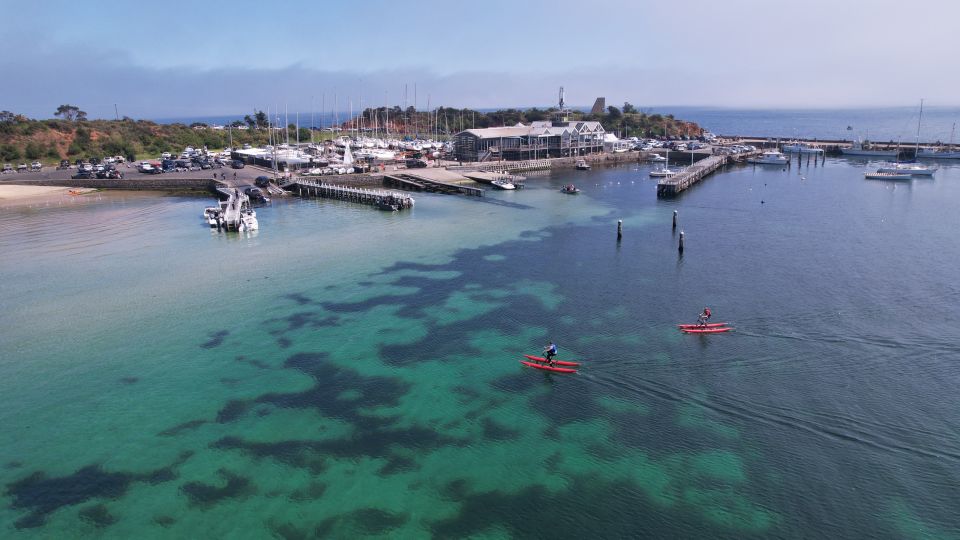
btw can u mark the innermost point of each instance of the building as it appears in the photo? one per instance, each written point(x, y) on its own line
point(559, 138)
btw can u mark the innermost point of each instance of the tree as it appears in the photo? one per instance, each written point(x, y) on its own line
point(7, 117)
point(9, 152)
point(614, 112)
point(261, 118)
point(33, 150)
point(628, 108)
point(70, 113)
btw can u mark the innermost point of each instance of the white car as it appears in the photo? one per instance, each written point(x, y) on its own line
point(165, 155)
point(36, 166)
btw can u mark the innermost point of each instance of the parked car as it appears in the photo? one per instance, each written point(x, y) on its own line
point(64, 164)
point(7, 168)
point(262, 181)
point(237, 164)
point(110, 174)
point(82, 175)
point(416, 163)
point(22, 167)
point(256, 195)
point(36, 166)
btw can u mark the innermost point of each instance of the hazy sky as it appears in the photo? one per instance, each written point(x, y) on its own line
point(198, 58)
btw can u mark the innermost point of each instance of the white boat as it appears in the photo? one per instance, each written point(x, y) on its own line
point(913, 169)
point(938, 153)
point(657, 158)
point(886, 176)
point(770, 157)
point(582, 165)
point(248, 221)
point(797, 147)
point(664, 170)
point(863, 148)
point(503, 184)
point(210, 215)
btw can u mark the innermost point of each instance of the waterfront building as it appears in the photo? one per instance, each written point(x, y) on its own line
point(557, 138)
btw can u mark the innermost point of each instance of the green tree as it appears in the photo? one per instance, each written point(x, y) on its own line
point(628, 108)
point(70, 113)
point(33, 150)
point(614, 112)
point(9, 152)
point(261, 119)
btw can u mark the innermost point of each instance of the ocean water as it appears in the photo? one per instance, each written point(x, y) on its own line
point(347, 373)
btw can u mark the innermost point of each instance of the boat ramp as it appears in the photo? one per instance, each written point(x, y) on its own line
point(434, 179)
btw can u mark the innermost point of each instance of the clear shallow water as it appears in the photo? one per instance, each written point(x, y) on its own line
point(350, 373)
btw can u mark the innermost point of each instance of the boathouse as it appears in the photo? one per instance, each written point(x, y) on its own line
point(535, 141)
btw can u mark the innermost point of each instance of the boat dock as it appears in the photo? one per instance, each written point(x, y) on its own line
point(436, 179)
point(675, 184)
point(385, 200)
point(231, 209)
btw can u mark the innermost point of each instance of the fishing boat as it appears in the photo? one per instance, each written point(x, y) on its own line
point(863, 148)
point(887, 176)
point(770, 157)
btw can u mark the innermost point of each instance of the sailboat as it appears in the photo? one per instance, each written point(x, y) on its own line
point(914, 169)
point(664, 170)
point(949, 152)
point(889, 173)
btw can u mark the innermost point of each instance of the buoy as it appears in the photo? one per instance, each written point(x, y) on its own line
point(680, 248)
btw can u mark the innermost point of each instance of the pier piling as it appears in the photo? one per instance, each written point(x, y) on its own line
point(680, 247)
point(619, 229)
point(674, 219)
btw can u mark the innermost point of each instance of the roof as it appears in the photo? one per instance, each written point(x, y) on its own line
point(538, 129)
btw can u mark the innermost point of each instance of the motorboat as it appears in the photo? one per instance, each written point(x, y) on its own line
point(863, 148)
point(770, 157)
point(657, 158)
point(570, 189)
point(248, 221)
point(887, 176)
point(211, 215)
point(503, 184)
point(582, 165)
point(914, 169)
point(662, 172)
point(797, 147)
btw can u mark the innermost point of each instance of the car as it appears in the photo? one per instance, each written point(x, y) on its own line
point(416, 163)
point(82, 175)
point(64, 164)
point(7, 168)
point(36, 166)
point(22, 167)
point(165, 155)
point(262, 181)
point(237, 164)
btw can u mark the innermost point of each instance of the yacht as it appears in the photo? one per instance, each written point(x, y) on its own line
point(503, 184)
point(913, 169)
point(662, 172)
point(248, 221)
point(863, 148)
point(770, 157)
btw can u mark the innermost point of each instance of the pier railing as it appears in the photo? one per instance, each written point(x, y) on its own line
point(383, 199)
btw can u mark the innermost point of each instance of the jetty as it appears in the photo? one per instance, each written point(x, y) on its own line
point(435, 179)
point(675, 184)
point(382, 199)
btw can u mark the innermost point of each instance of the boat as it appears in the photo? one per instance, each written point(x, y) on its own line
point(657, 158)
point(938, 153)
point(582, 165)
point(797, 147)
point(770, 157)
point(887, 176)
point(503, 184)
point(248, 221)
point(387, 206)
point(557, 362)
point(863, 148)
point(570, 189)
point(211, 214)
point(706, 330)
point(708, 325)
point(664, 170)
point(548, 368)
point(913, 169)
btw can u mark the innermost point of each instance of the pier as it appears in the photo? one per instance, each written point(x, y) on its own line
point(674, 185)
point(385, 200)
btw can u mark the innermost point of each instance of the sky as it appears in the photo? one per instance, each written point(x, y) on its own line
point(208, 58)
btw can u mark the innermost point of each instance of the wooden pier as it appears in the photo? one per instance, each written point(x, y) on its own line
point(385, 200)
point(674, 185)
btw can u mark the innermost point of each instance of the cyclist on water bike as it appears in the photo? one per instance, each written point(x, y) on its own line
point(549, 352)
point(704, 317)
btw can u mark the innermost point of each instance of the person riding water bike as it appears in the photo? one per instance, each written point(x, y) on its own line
point(549, 352)
point(704, 317)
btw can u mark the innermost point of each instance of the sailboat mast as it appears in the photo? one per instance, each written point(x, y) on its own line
point(917, 150)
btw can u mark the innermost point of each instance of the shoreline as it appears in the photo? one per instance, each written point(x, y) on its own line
point(12, 195)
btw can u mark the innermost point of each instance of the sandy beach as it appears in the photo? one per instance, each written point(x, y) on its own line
point(14, 195)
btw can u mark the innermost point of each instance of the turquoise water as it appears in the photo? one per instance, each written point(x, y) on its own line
point(349, 373)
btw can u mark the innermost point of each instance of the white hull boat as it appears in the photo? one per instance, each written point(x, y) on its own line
point(886, 176)
point(771, 157)
point(907, 168)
